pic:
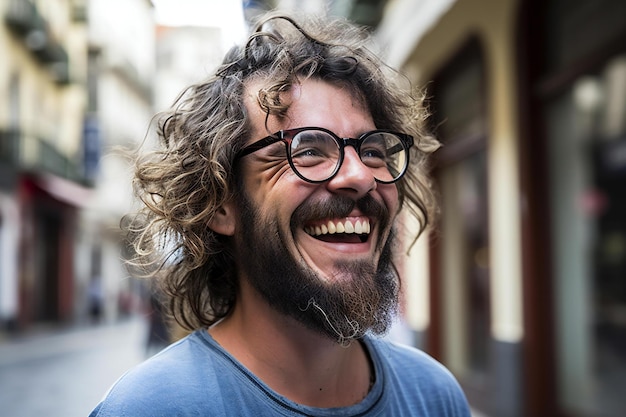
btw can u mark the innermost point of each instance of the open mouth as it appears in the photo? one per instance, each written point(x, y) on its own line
point(345, 231)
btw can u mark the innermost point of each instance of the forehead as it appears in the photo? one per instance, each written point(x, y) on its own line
point(311, 102)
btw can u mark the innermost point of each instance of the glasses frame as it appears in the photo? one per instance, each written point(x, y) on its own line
point(286, 136)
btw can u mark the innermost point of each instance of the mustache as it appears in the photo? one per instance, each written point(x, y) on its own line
point(339, 206)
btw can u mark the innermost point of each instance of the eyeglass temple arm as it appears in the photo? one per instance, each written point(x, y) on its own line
point(262, 143)
point(400, 147)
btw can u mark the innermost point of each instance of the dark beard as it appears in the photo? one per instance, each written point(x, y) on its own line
point(343, 309)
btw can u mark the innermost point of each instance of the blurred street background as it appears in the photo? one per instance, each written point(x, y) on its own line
point(520, 290)
point(66, 372)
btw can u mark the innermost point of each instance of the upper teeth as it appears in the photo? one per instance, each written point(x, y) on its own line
point(347, 226)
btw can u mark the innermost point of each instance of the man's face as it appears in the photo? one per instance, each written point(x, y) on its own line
point(342, 284)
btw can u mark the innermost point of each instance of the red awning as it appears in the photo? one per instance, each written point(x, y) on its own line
point(63, 190)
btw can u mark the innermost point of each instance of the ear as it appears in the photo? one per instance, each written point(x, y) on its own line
point(223, 222)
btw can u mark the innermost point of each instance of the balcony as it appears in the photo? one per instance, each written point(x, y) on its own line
point(9, 155)
point(25, 21)
point(9, 147)
point(24, 18)
point(24, 153)
point(49, 159)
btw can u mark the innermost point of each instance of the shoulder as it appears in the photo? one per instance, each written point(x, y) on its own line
point(407, 359)
point(181, 375)
point(411, 373)
point(396, 354)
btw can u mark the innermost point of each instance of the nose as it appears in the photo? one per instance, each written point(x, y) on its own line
point(353, 177)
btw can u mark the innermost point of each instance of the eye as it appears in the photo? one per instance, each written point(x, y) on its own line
point(373, 151)
point(311, 147)
point(306, 152)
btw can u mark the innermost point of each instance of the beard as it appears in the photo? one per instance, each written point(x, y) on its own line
point(362, 297)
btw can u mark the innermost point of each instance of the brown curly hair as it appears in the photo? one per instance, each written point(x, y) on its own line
point(185, 182)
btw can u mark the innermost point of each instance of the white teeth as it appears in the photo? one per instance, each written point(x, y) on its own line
point(359, 227)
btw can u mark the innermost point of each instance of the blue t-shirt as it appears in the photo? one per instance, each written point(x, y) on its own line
point(196, 377)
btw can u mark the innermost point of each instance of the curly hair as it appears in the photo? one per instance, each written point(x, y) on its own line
point(185, 182)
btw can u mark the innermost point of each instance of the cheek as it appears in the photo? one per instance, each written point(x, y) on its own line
point(390, 196)
point(270, 181)
point(276, 201)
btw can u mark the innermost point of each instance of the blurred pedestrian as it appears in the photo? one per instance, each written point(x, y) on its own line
point(95, 299)
point(270, 216)
point(158, 330)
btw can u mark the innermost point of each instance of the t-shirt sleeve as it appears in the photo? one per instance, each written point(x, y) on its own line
point(175, 382)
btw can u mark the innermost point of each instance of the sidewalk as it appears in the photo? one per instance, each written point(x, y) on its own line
point(65, 373)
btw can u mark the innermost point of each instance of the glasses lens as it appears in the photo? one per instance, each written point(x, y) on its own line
point(314, 154)
point(385, 154)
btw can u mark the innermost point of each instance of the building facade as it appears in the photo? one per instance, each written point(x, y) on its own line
point(71, 91)
point(43, 183)
point(185, 55)
point(521, 291)
point(121, 83)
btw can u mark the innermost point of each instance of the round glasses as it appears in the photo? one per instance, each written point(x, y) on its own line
point(315, 154)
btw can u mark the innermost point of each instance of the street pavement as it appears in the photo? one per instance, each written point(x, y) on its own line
point(65, 373)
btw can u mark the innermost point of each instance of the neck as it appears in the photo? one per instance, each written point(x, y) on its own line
point(296, 362)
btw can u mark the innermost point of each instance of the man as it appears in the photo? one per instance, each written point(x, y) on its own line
point(270, 218)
